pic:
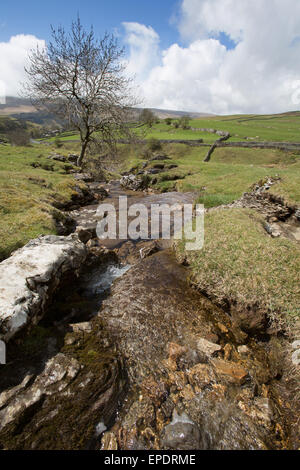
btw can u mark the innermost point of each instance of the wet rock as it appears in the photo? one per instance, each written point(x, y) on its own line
point(58, 373)
point(296, 357)
point(84, 235)
point(69, 399)
point(148, 248)
point(100, 254)
point(30, 276)
point(83, 327)
point(260, 410)
point(227, 351)
point(243, 350)
point(223, 329)
point(142, 328)
point(11, 392)
point(175, 352)
point(181, 434)
point(156, 390)
point(249, 321)
point(231, 371)
point(207, 347)
point(109, 441)
point(177, 379)
point(200, 376)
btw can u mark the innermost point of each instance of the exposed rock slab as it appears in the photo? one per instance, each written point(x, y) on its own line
point(29, 277)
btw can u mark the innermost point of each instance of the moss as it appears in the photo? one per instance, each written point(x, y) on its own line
point(68, 421)
point(28, 192)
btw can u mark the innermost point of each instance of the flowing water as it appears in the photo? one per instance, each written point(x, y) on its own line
point(142, 361)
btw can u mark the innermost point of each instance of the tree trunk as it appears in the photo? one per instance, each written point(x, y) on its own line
point(82, 153)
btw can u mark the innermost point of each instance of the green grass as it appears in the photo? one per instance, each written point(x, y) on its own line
point(279, 128)
point(244, 265)
point(27, 193)
point(230, 173)
point(275, 128)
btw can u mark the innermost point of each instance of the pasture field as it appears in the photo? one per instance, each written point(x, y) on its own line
point(271, 128)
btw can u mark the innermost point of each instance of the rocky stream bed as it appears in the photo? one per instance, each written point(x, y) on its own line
point(111, 348)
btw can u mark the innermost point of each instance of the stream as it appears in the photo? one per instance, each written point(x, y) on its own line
point(130, 356)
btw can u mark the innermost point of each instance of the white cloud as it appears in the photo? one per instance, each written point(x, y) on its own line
point(13, 58)
point(259, 75)
point(144, 48)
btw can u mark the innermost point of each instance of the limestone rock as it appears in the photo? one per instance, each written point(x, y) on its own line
point(59, 371)
point(208, 348)
point(83, 327)
point(85, 177)
point(243, 350)
point(133, 182)
point(29, 277)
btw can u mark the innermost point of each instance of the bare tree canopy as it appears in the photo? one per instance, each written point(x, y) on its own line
point(147, 117)
point(83, 80)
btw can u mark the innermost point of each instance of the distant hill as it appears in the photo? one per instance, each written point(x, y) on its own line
point(165, 113)
point(15, 105)
point(21, 108)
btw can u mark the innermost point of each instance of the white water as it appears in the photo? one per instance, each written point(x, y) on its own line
point(101, 278)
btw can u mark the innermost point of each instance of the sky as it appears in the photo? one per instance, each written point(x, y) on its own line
point(213, 56)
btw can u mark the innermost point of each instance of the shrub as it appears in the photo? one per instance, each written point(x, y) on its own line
point(18, 137)
point(57, 142)
point(154, 144)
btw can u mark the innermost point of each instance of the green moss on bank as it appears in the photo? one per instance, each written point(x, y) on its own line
point(241, 263)
point(29, 185)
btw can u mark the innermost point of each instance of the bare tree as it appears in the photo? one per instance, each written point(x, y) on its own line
point(147, 117)
point(82, 79)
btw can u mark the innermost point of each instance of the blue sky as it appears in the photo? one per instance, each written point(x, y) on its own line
point(35, 16)
point(215, 56)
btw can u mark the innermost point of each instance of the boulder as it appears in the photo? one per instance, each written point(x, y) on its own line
point(29, 277)
point(72, 158)
point(85, 177)
point(57, 157)
point(133, 182)
point(84, 235)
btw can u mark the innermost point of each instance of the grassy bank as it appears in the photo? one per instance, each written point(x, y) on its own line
point(241, 263)
point(226, 177)
point(29, 185)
